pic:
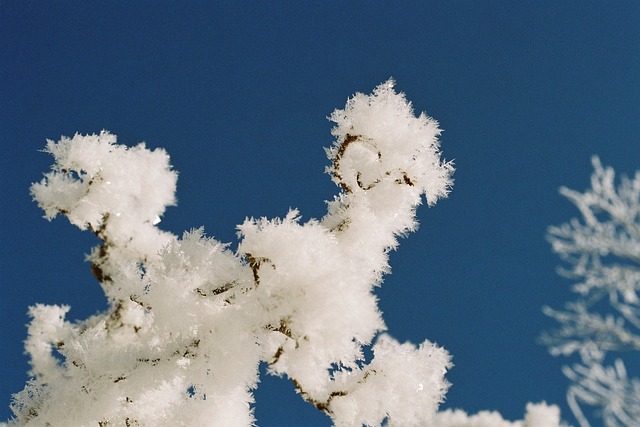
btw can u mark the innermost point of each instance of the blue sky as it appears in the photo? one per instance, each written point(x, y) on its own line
point(238, 93)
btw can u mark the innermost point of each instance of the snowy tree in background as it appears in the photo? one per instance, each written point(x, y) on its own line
point(602, 253)
point(190, 320)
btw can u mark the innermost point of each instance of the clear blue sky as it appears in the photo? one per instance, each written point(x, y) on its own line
point(238, 93)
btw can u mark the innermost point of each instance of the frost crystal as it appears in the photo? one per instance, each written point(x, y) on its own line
point(602, 254)
point(190, 320)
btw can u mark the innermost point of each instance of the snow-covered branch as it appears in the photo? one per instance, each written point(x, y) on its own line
point(602, 253)
point(190, 319)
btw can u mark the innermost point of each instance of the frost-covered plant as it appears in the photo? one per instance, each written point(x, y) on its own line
point(189, 320)
point(602, 253)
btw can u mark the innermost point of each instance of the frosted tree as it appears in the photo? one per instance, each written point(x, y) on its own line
point(602, 254)
point(190, 320)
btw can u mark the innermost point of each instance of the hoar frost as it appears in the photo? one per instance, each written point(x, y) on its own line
point(190, 320)
point(601, 251)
